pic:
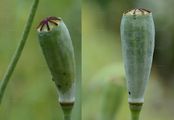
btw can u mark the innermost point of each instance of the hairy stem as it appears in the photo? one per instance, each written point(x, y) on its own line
point(18, 51)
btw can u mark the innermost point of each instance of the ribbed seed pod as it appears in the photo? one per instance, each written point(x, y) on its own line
point(57, 48)
point(137, 38)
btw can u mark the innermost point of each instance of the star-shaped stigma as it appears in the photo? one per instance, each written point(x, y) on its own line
point(137, 11)
point(142, 10)
point(45, 23)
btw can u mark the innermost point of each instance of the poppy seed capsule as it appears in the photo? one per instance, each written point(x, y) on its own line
point(57, 48)
point(137, 38)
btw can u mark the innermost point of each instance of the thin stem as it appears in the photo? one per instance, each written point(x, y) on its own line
point(67, 117)
point(67, 109)
point(18, 51)
point(135, 109)
point(135, 114)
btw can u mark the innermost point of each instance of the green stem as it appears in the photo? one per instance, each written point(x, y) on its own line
point(135, 109)
point(67, 117)
point(18, 51)
point(67, 109)
point(135, 114)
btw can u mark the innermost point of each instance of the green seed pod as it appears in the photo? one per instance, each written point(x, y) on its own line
point(137, 38)
point(57, 48)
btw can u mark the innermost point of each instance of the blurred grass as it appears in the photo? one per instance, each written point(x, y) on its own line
point(31, 94)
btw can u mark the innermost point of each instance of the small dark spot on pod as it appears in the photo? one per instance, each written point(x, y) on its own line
point(129, 93)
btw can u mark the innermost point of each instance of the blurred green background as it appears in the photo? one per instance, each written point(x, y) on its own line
point(31, 94)
point(103, 64)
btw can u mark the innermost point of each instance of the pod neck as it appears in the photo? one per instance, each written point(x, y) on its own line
point(135, 109)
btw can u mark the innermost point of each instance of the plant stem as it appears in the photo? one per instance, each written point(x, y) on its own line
point(67, 112)
point(67, 109)
point(67, 117)
point(135, 114)
point(18, 51)
point(135, 109)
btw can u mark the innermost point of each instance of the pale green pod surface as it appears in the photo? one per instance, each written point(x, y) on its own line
point(137, 38)
point(56, 44)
